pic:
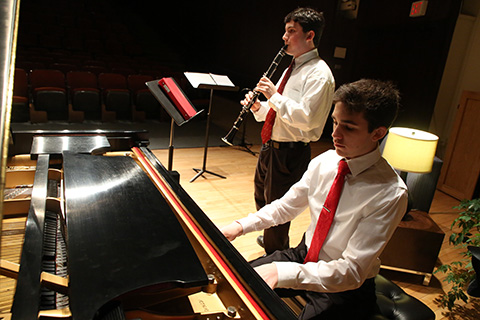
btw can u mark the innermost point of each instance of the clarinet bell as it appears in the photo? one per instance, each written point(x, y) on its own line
point(228, 139)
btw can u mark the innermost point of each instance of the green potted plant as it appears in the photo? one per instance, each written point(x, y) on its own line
point(460, 273)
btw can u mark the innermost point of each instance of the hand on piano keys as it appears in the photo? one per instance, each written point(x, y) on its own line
point(269, 273)
point(232, 231)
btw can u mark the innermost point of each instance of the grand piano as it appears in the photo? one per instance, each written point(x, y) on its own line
point(111, 234)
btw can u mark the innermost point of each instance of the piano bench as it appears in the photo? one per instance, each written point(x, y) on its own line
point(394, 303)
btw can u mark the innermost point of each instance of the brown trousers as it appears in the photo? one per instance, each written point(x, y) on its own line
point(277, 170)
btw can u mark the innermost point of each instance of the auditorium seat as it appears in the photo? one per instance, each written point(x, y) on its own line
point(73, 42)
point(60, 54)
point(123, 70)
point(64, 67)
point(20, 112)
point(42, 58)
point(116, 102)
point(69, 60)
point(95, 69)
point(84, 96)
point(94, 45)
point(51, 38)
point(48, 94)
point(143, 100)
point(114, 46)
point(92, 62)
point(120, 62)
point(29, 65)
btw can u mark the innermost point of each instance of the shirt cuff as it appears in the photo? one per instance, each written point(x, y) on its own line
point(245, 226)
point(275, 100)
point(261, 113)
point(287, 274)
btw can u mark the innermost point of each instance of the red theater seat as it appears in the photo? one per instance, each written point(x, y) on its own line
point(20, 112)
point(49, 93)
point(143, 99)
point(115, 97)
point(84, 96)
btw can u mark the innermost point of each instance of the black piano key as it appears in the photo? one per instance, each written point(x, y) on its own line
point(54, 258)
point(48, 251)
point(61, 256)
point(48, 266)
point(50, 234)
point(47, 299)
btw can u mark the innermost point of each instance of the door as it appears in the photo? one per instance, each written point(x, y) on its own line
point(461, 167)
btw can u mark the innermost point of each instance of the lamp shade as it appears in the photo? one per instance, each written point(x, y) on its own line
point(410, 150)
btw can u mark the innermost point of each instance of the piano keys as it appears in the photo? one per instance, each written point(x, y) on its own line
point(110, 234)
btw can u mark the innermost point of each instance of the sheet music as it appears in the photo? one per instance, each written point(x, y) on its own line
point(222, 80)
point(196, 79)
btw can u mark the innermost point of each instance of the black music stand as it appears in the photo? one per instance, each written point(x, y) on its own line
point(173, 111)
point(211, 82)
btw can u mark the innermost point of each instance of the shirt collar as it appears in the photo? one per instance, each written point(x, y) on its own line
point(362, 163)
point(307, 56)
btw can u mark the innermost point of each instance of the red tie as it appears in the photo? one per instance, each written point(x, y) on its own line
point(270, 119)
point(326, 216)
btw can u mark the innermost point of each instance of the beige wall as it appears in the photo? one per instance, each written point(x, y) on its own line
point(462, 72)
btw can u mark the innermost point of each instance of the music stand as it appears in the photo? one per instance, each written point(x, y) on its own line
point(173, 109)
point(211, 82)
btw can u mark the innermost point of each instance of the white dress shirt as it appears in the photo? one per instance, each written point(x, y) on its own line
point(373, 201)
point(305, 104)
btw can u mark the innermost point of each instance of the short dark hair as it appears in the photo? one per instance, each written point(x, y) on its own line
point(309, 19)
point(379, 101)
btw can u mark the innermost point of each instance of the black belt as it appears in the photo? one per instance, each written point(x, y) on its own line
point(286, 145)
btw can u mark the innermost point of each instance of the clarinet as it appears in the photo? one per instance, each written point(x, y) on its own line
point(228, 139)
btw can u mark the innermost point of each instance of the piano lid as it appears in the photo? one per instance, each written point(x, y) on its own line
point(122, 234)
